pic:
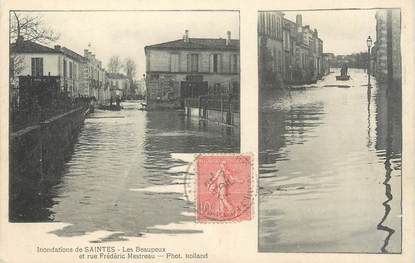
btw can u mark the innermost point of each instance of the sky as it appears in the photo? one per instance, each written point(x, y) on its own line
point(342, 31)
point(127, 33)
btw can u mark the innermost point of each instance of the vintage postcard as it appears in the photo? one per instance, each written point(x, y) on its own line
point(218, 131)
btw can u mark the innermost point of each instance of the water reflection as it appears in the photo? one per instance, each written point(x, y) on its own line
point(330, 169)
point(118, 161)
point(389, 147)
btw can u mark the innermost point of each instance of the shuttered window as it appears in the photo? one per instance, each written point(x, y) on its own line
point(174, 62)
point(70, 69)
point(64, 68)
point(193, 62)
point(75, 70)
point(215, 63)
point(234, 66)
point(37, 67)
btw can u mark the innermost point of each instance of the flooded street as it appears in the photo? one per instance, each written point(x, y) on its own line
point(330, 168)
point(125, 175)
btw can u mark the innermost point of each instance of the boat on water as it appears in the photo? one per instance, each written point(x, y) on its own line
point(142, 106)
point(343, 73)
point(343, 77)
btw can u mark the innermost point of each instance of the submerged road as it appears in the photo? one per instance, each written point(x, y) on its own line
point(330, 169)
point(126, 173)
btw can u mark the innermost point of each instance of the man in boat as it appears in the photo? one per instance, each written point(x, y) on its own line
point(343, 71)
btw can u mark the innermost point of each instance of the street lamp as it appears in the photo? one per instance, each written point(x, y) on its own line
point(369, 45)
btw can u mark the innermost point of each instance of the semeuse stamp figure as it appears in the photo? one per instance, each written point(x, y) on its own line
point(223, 187)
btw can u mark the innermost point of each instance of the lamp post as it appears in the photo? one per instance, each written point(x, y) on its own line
point(369, 45)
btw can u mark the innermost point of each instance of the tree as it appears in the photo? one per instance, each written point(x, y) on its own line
point(114, 65)
point(31, 28)
point(16, 65)
point(27, 28)
point(130, 68)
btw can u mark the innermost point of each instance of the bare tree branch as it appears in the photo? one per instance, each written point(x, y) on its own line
point(130, 68)
point(31, 28)
point(114, 65)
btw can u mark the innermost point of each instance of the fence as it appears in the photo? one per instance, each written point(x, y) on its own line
point(36, 99)
point(223, 104)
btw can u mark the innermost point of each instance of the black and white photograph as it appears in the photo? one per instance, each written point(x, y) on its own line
point(207, 131)
point(107, 110)
point(330, 131)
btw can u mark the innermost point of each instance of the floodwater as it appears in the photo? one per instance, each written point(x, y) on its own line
point(330, 168)
point(125, 177)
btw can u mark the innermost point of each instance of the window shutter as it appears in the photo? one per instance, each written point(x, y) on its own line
point(33, 67)
point(41, 66)
point(199, 63)
point(236, 63)
point(211, 63)
point(219, 63)
point(189, 63)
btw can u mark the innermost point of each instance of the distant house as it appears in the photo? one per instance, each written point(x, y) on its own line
point(95, 78)
point(118, 84)
point(191, 67)
point(38, 60)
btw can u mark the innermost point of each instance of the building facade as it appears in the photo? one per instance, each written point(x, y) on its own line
point(271, 49)
point(119, 85)
point(191, 67)
point(386, 54)
point(37, 61)
point(78, 75)
point(95, 78)
point(288, 52)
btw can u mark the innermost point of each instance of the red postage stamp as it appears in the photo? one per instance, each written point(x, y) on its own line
point(224, 187)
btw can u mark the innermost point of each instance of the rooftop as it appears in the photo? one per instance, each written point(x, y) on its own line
point(31, 47)
point(27, 46)
point(198, 43)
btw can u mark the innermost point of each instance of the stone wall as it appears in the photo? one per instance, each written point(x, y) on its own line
point(37, 157)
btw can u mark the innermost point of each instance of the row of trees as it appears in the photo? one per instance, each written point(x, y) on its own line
point(116, 65)
point(355, 60)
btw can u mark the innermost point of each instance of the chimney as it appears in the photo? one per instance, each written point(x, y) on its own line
point(85, 52)
point(186, 36)
point(299, 20)
point(299, 23)
point(57, 47)
point(316, 33)
point(228, 38)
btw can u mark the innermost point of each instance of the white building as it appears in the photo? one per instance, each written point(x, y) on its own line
point(95, 78)
point(38, 60)
point(79, 75)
